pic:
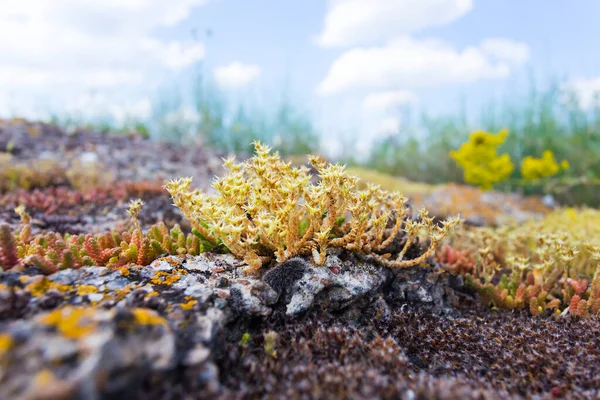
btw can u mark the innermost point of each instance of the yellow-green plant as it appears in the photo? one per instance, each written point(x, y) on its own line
point(537, 168)
point(552, 263)
point(51, 251)
point(264, 208)
point(479, 158)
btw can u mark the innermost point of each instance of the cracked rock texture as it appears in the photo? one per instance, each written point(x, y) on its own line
point(94, 332)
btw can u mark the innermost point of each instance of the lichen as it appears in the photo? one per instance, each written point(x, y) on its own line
point(189, 303)
point(6, 343)
point(83, 290)
point(145, 316)
point(164, 278)
point(71, 322)
point(41, 285)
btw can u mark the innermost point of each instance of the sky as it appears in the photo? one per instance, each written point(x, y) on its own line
point(349, 64)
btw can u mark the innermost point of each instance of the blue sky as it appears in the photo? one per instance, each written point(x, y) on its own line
point(349, 63)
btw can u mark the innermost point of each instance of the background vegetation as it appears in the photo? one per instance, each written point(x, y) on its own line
point(548, 119)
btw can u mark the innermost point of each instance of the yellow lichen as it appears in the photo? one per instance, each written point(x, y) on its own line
point(145, 316)
point(190, 302)
point(164, 278)
point(83, 290)
point(43, 378)
point(6, 343)
point(72, 322)
point(39, 287)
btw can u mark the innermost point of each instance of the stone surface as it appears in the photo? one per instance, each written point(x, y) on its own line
point(94, 331)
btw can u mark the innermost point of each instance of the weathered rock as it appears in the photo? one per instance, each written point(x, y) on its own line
point(112, 330)
point(82, 352)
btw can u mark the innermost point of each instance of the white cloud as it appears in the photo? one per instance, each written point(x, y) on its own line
point(506, 50)
point(585, 90)
point(89, 43)
point(407, 62)
point(236, 74)
point(388, 100)
point(181, 55)
point(352, 22)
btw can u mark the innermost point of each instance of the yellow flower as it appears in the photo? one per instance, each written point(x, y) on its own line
point(536, 168)
point(480, 160)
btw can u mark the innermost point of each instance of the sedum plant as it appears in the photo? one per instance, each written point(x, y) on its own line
point(265, 209)
point(50, 251)
point(548, 264)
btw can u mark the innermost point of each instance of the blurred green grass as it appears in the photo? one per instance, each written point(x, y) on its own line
point(548, 119)
point(551, 119)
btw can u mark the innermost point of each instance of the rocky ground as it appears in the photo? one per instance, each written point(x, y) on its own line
point(196, 327)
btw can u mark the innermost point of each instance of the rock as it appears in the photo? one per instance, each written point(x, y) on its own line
point(104, 337)
point(112, 348)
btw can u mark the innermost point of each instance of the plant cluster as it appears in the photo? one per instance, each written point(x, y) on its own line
point(266, 209)
point(537, 168)
point(479, 158)
point(42, 173)
point(484, 167)
point(50, 199)
point(541, 121)
point(550, 264)
point(38, 173)
point(51, 251)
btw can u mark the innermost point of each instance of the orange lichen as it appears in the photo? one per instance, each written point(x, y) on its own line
point(72, 322)
point(164, 278)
